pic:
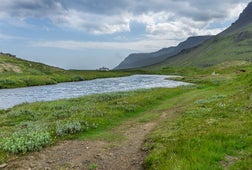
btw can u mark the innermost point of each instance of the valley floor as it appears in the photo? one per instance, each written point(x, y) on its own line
point(121, 154)
point(204, 126)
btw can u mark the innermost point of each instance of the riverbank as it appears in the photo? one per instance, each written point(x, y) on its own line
point(202, 126)
point(12, 97)
point(16, 72)
point(26, 80)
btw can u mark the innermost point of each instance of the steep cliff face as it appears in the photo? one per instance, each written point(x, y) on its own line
point(145, 59)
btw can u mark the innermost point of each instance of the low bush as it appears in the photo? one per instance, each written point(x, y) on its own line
point(70, 127)
point(26, 140)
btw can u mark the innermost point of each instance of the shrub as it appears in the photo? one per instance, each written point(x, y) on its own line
point(69, 127)
point(219, 96)
point(26, 140)
point(60, 114)
point(124, 106)
point(202, 101)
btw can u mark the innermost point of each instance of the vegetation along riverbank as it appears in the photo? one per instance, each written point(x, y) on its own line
point(204, 126)
point(15, 72)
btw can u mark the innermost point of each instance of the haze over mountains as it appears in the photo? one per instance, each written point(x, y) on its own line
point(144, 59)
point(234, 43)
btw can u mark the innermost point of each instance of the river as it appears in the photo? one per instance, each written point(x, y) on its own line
point(12, 97)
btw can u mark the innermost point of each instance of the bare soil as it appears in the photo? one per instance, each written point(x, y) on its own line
point(9, 67)
point(228, 162)
point(125, 154)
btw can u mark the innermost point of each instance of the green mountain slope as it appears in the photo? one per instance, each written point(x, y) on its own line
point(137, 60)
point(237, 46)
point(234, 43)
point(15, 72)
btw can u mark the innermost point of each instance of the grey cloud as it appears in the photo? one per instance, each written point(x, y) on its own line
point(188, 8)
point(98, 15)
point(207, 10)
point(107, 7)
point(196, 9)
point(30, 8)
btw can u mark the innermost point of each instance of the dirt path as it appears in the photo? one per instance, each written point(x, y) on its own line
point(100, 155)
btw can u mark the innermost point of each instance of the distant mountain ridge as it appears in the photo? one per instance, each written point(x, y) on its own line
point(234, 43)
point(136, 60)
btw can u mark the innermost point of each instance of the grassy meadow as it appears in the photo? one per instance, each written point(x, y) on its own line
point(212, 129)
point(15, 72)
point(30, 127)
point(208, 124)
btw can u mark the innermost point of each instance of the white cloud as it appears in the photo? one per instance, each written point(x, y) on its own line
point(11, 37)
point(93, 23)
point(147, 45)
point(113, 16)
point(236, 10)
point(180, 28)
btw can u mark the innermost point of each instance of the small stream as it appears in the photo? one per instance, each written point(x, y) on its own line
point(12, 97)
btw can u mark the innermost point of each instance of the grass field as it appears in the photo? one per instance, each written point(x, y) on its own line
point(212, 131)
point(209, 126)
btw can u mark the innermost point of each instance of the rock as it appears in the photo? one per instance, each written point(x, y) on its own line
point(32, 165)
point(99, 156)
point(75, 166)
point(3, 166)
point(85, 162)
point(111, 154)
point(49, 161)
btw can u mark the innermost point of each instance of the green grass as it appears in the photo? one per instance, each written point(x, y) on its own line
point(212, 131)
point(79, 118)
point(208, 125)
point(15, 72)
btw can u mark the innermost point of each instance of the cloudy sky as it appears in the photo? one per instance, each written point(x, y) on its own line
point(87, 34)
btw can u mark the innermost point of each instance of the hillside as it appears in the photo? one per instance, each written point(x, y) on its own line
point(234, 43)
point(16, 72)
point(244, 20)
point(11, 64)
point(145, 59)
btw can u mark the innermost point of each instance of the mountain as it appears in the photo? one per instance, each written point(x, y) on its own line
point(234, 43)
point(145, 59)
point(243, 21)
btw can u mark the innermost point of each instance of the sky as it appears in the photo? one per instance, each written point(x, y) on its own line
point(88, 34)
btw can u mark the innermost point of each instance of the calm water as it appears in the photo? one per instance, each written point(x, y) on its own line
point(12, 97)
